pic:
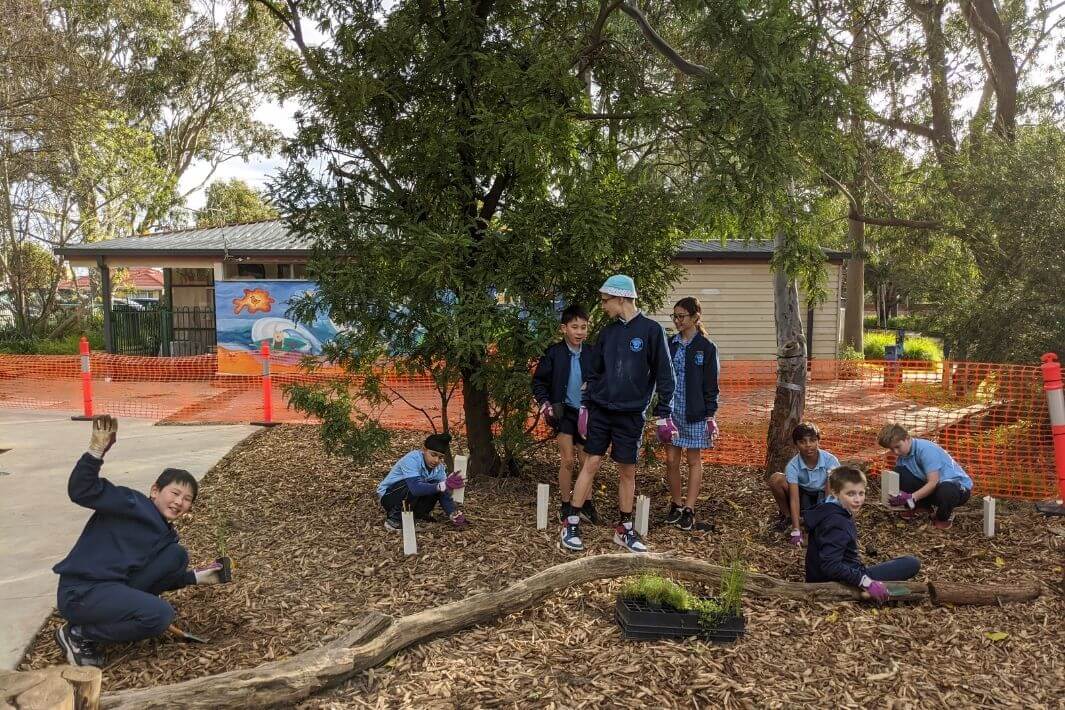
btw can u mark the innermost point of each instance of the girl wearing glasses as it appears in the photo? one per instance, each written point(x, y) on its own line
point(694, 406)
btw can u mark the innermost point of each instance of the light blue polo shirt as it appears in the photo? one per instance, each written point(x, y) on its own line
point(412, 465)
point(811, 479)
point(928, 456)
point(573, 385)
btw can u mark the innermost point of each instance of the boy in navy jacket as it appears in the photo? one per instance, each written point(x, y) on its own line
point(127, 555)
point(631, 362)
point(832, 555)
point(558, 385)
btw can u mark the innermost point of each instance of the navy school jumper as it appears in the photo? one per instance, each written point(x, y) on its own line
point(701, 369)
point(631, 363)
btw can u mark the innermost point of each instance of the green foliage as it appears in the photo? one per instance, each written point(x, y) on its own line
point(850, 354)
point(344, 430)
point(914, 348)
point(14, 344)
point(910, 323)
point(233, 202)
point(659, 590)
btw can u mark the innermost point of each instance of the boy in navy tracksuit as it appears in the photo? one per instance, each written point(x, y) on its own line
point(832, 555)
point(127, 555)
point(630, 363)
point(558, 385)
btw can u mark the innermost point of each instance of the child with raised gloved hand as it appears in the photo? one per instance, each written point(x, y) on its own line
point(929, 477)
point(418, 482)
point(832, 555)
point(127, 555)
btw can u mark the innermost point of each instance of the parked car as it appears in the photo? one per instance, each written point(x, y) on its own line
point(125, 304)
point(147, 302)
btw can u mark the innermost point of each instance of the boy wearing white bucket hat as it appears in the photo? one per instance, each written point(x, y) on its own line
point(630, 364)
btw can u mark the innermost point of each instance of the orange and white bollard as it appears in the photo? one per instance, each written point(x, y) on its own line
point(86, 382)
point(268, 392)
point(1053, 386)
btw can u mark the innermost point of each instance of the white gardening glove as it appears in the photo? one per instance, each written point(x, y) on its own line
point(104, 435)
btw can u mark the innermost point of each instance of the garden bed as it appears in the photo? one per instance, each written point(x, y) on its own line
point(312, 556)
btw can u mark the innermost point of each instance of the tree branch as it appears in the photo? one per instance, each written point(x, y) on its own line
point(918, 129)
point(663, 47)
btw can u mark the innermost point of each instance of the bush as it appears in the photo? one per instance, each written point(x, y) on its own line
point(68, 345)
point(916, 348)
point(911, 323)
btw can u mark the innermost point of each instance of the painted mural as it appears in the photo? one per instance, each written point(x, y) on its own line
point(250, 313)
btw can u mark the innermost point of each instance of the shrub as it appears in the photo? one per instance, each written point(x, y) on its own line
point(659, 590)
point(917, 348)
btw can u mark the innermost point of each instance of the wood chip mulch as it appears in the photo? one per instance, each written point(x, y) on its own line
point(312, 555)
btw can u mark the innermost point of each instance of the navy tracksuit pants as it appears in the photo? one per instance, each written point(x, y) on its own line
point(115, 612)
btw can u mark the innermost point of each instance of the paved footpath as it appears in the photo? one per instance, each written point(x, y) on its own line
point(39, 524)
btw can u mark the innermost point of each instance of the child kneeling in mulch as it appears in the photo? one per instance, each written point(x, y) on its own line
point(929, 477)
point(832, 555)
point(127, 555)
point(803, 484)
point(418, 482)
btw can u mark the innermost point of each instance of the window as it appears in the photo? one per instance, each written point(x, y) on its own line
point(237, 271)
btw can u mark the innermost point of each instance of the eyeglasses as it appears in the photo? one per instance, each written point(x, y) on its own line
point(681, 316)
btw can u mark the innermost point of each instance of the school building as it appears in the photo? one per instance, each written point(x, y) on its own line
point(732, 280)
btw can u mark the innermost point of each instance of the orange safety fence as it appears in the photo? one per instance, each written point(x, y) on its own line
point(992, 418)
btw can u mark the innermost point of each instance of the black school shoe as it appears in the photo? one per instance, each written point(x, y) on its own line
point(674, 513)
point(589, 514)
point(687, 519)
point(79, 651)
point(393, 522)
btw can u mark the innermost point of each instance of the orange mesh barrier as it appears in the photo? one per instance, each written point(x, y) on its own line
point(992, 418)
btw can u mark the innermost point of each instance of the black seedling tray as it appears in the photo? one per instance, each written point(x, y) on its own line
point(640, 620)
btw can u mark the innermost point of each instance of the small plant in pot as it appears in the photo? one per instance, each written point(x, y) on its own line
point(654, 607)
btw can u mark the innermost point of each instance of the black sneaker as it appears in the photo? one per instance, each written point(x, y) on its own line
point(79, 651)
point(673, 514)
point(571, 537)
point(687, 519)
point(589, 514)
point(394, 522)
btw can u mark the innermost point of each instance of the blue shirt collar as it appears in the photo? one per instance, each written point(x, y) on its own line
point(821, 462)
point(571, 350)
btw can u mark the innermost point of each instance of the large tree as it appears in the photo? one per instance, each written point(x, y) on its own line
point(231, 202)
point(486, 160)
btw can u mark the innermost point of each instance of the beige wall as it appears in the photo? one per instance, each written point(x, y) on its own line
point(737, 299)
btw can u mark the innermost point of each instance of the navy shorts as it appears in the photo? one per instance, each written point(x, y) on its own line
point(621, 432)
point(568, 424)
point(810, 499)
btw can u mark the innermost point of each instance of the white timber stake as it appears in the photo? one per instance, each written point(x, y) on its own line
point(461, 462)
point(989, 516)
point(543, 495)
point(889, 486)
point(643, 514)
point(410, 543)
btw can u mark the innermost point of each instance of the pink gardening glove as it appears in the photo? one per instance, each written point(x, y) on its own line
point(582, 422)
point(547, 413)
point(666, 430)
point(903, 499)
point(878, 591)
point(711, 429)
point(459, 520)
point(795, 538)
point(454, 481)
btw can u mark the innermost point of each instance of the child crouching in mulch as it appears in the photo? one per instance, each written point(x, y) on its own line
point(832, 555)
point(418, 482)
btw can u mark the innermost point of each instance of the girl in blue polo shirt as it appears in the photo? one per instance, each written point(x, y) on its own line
point(929, 477)
point(804, 482)
point(696, 366)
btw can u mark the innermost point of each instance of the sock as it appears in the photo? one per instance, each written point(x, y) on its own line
point(573, 519)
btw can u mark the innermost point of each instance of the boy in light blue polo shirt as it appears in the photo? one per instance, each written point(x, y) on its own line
point(804, 482)
point(419, 482)
point(929, 477)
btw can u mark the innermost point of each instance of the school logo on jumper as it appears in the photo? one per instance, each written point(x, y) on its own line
point(636, 344)
point(700, 358)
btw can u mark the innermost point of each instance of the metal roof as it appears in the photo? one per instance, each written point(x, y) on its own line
point(271, 238)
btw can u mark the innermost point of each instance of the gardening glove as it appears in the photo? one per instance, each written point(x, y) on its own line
point(582, 422)
point(903, 499)
point(711, 429)
point(218, 572)
point(104, 434)
point(877, 590)
point(452, 482)
point(547, 412)
point(795, 538)
point(666, 430)
point(459, 520)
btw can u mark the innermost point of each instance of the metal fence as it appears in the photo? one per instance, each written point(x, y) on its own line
point(162, 331)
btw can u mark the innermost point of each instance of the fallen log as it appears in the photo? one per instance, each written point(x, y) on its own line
point(967, 594)
point(55, 688)
point(378, 637)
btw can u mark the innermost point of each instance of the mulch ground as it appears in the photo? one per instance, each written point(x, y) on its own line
point(312, 555)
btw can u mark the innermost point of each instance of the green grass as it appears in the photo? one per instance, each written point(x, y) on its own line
point(916, 348)
point(68, 345)
point(659, 590)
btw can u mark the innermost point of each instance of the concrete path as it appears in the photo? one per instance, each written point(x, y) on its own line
point(39, 524)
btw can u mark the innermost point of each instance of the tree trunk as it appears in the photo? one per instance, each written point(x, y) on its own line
point(378, 637)
point(483, 457)
point(790, 399)
point(854, 314)
point(967, 594)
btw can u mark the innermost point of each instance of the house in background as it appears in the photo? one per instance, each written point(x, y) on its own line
point(732, 280)
point(139, 282)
